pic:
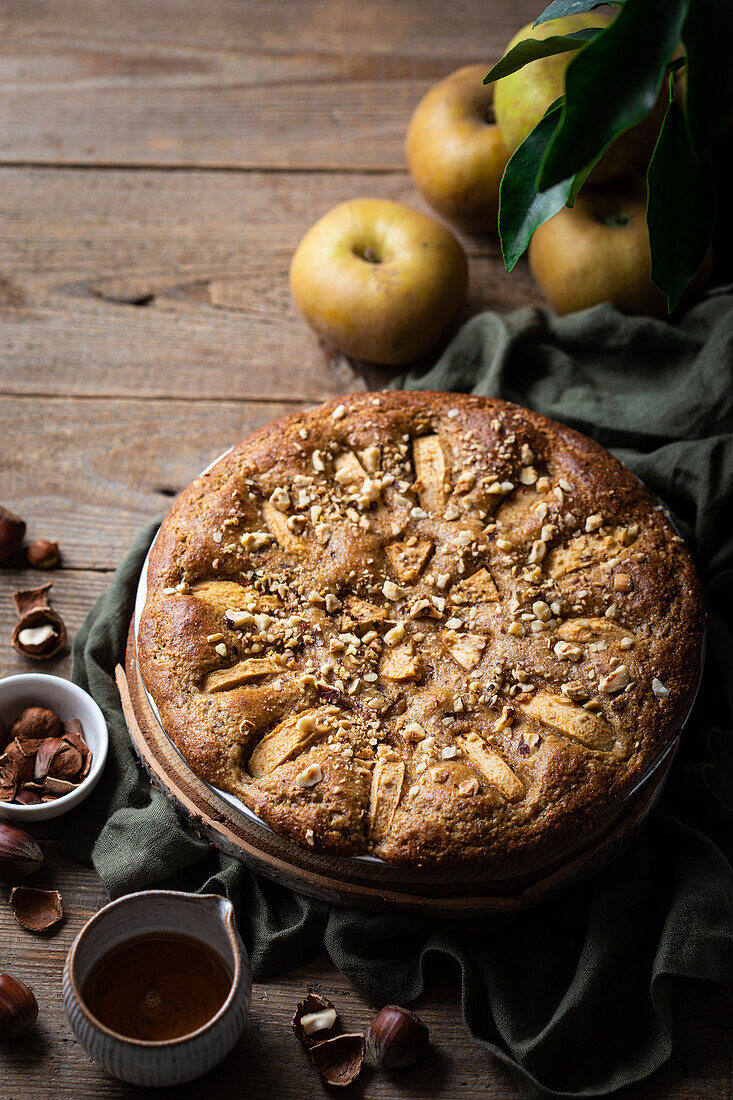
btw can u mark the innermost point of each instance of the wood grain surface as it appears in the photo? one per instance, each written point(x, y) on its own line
point(159, 161)
point(174, 284)
point(295, 84)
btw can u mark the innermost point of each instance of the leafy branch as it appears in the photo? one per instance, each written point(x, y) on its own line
point(613, 81)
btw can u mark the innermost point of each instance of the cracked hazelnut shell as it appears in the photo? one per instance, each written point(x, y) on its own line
point(12, 532)
point(313, 1003)
point(42, 648)
point(37, 910)
point(27, 796)
point(37, 618)
point(339, 1060)
point(46, 758)
point(15, 768)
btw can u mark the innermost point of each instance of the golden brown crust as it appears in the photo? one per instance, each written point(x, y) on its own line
point(422, 626)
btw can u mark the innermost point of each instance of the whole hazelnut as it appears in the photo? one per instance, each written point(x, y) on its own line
point(19, 853)
point(36, 722)
point(18, 1007)
point(43, 554)
point(12, 530)
point(396, 1037)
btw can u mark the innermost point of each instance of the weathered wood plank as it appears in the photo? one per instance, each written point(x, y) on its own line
point(76, 244)
point(50, 1064)
point(236, 84)
point(106, 467)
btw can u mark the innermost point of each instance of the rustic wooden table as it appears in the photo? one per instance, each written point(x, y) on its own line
point(159, 161)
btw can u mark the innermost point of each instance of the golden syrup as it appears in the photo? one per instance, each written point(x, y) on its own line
point(157, 987)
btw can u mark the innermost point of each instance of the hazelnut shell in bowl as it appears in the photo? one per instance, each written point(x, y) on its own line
point(36, 689)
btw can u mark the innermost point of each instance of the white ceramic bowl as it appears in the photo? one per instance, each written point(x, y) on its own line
point(205, 917)
point(36, 689)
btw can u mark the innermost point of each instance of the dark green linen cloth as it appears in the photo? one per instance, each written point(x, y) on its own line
point(574, 995)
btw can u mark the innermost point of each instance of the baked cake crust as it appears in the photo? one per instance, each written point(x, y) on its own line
point(422, 626)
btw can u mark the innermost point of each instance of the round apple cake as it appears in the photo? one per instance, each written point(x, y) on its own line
point(423, 627)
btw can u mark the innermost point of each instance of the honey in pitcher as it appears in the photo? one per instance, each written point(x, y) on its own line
point(157, 986)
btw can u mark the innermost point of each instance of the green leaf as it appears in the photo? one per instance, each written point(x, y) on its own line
point(531, 49)
point(707, 35)
point(681, 206)
point(578, 180)
point(521, 209)
point(613, 83)
point(558, 8)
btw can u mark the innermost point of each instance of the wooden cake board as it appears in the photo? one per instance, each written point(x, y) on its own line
point(365, 884)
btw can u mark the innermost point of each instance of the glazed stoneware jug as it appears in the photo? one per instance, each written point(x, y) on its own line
point(207, 918)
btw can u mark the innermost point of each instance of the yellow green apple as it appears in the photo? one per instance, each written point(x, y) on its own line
point(598, 251)
point(455, 152)
point(379, 281)
point(522, 98)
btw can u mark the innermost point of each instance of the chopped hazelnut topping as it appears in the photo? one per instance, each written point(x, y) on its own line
point(506, 719)
point(371, 458)
point(541, 610)
point(659, 689)
point(280, 499)
point(615, 681)
point(392, 591)
point(310, 776)
point(565, 651)
point(395, 635)
point(538, 552)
